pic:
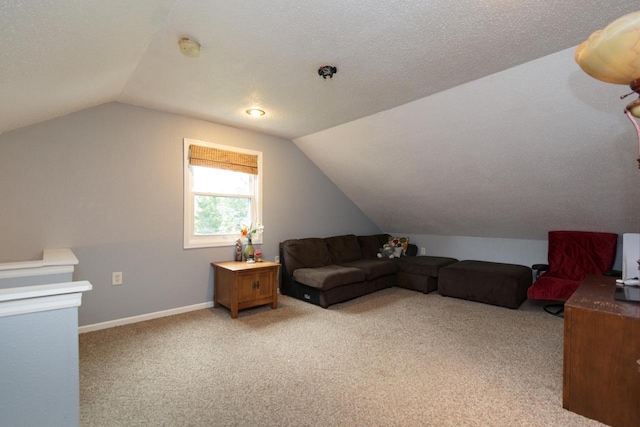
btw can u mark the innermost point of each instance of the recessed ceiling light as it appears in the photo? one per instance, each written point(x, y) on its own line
point(188, 47)
point(255, 112)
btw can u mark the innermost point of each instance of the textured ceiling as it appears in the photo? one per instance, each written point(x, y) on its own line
point(59, 56)
point(463, 117)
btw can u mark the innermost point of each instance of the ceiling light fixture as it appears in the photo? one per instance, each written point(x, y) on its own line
point(612, 55)
point(188, 47)
point(255, 112)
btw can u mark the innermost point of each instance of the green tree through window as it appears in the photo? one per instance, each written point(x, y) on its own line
point(219, 214)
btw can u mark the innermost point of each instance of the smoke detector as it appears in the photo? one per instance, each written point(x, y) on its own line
point(327, 71)
point(188, 47)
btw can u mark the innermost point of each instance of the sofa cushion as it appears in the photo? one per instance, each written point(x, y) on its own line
point(369, 245)
point(374, 268)
point(423, 265)
point(343, 248)
point(305, 253)
point(329, 276)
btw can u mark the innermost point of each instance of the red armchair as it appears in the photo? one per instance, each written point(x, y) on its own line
point(572, 256)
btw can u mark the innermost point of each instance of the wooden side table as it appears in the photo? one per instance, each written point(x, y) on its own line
point(238, 285)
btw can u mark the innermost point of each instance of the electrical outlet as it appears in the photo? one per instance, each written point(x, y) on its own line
point(423, 251)
point(277, 259)
point(116, 278)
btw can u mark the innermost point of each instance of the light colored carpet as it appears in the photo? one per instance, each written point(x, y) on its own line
point(392, 358)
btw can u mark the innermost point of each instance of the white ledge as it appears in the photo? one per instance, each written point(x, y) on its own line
point(54, 261)
point(32, 299)
point(62, 256)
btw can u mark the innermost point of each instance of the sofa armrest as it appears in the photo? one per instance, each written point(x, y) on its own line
point(539, 269)
point(412, 250)
point(286, 281)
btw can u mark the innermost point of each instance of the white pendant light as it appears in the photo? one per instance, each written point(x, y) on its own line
point(612, 55)
point(188, 47)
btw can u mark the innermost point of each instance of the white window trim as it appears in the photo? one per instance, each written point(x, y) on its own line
point(192, 241)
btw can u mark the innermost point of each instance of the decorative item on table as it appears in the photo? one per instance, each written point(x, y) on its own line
point(258, 255)
point(238, 250)
point(249, 232)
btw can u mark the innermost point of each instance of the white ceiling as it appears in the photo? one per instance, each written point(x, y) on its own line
point(60, 56)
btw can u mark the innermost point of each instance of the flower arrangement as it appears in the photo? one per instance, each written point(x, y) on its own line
point(251, 230)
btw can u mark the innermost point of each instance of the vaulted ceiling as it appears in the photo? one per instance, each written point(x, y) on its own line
point(463, 118)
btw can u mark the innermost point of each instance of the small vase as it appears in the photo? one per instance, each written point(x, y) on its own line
point(248, 252)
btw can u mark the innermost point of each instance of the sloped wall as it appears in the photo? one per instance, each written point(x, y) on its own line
point(538, 147)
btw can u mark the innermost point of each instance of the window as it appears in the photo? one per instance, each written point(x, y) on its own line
point(222, 190)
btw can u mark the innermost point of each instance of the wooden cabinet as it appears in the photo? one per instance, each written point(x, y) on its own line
point(601, 354)
point(238, 285)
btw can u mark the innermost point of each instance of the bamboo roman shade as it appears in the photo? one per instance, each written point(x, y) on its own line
point(223, 159)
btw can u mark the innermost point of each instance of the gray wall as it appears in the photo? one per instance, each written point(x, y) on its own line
point(12, 282)
point(513, 251)
point(107, 183)
point(39, 369)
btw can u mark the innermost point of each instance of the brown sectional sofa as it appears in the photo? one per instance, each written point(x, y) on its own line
point(326, 271)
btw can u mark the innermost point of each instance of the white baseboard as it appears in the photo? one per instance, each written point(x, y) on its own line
point(143, 317)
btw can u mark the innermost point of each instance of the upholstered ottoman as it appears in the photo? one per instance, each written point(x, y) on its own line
point(488, 282)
